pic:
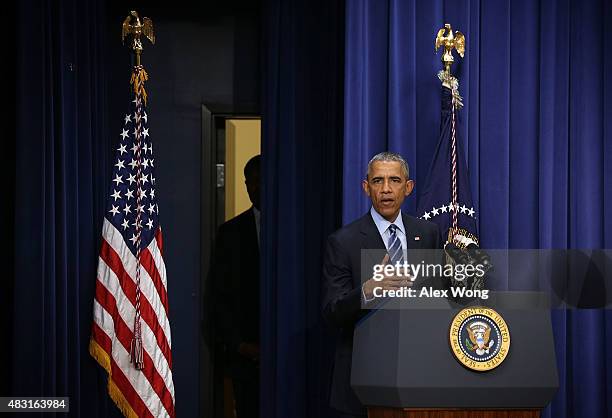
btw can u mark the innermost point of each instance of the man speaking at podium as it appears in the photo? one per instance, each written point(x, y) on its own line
point(384, 227)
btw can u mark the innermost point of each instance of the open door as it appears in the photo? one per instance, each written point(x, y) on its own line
point(229, 139)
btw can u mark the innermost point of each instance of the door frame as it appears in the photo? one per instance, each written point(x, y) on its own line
point(213, 115)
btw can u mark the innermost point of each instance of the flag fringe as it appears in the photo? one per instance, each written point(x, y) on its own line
point(122, 403)
point(100, 355)
point(114, 392)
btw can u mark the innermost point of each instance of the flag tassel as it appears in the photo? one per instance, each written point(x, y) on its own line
point(136, 349)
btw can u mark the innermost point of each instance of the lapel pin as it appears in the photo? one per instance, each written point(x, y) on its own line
point(417, 238)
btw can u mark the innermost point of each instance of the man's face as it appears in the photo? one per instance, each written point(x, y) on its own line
point(387, 188)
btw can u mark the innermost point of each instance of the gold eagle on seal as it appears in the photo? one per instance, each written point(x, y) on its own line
point(480, 336)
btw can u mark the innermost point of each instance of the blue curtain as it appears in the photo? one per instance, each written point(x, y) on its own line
point(301, 199)
point(62, 164)
point(536, 129)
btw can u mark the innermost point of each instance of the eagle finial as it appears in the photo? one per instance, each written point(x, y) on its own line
point(133, 26)
point(450, 41)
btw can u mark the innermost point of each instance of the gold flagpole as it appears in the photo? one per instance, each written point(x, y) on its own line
point(449, 41)
point(132, 26)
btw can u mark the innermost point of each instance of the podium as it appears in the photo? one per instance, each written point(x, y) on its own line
point(403, 366)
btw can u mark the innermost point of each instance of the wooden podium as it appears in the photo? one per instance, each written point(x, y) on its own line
point(381, 412)
point(403, 366)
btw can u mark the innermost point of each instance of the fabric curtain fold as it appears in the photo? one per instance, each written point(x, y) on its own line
point(301, 199)
point(535, 130)
point(62, 163)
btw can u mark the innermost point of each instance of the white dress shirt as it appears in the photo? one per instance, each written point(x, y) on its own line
point(383, 229)
point(257, 214)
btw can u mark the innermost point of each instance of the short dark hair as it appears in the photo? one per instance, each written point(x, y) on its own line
point(390, 156)
point(252, 166)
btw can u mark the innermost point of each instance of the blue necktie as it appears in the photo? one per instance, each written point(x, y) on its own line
point(396, 254)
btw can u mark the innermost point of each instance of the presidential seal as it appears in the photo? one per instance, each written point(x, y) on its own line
point(479, 338)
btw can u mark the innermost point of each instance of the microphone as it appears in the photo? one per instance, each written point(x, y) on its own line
point(457, 254)
point(480, 256)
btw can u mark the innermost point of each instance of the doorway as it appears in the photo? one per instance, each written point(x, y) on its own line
point(230, 138)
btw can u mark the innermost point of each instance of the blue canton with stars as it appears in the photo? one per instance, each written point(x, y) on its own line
point(122, 207)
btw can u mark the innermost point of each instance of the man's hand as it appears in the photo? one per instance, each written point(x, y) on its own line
point(389, 282)
point(249, 350)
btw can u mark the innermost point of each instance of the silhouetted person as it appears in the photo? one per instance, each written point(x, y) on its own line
point(235, 272)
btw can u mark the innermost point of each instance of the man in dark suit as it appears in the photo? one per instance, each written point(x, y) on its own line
point(235, 272)
point(384, 227)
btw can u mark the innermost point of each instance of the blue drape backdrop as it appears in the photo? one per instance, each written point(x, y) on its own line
point(301, 199)
point(62, 163)
point(536, 129)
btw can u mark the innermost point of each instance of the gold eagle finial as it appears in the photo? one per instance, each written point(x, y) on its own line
point(450, 41)
point(133, 26)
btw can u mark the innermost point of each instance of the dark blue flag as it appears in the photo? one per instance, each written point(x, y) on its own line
point(438, 203)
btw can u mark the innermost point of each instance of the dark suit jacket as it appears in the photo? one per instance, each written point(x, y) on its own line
point(235, 274)
point(342, 291)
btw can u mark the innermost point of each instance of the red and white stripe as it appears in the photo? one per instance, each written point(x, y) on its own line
point(150, 391)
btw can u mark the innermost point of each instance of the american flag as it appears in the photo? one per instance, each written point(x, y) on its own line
point(131, 331)
point(447, 198)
